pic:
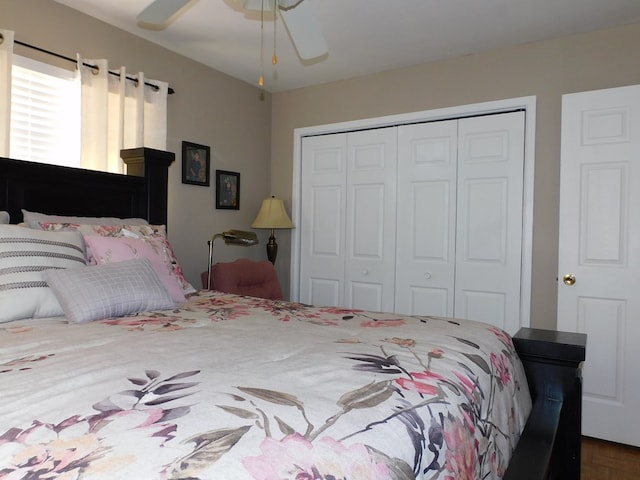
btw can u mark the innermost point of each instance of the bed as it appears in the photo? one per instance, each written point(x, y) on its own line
point(220, 386)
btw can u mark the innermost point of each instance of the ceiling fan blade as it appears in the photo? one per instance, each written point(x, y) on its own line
point(160, 13)
point(304, 31)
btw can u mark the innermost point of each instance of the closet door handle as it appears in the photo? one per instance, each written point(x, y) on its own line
point(365, 271)
point(427, 275)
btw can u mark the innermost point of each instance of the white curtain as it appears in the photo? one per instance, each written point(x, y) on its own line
point(119, 113)
point(6, 61)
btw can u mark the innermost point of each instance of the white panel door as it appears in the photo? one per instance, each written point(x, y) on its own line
point(323, 211)
point(426, 218)
point(599, 254)
point(370, 216)
point(489, 219)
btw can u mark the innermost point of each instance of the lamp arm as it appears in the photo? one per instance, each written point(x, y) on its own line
point(210, 243)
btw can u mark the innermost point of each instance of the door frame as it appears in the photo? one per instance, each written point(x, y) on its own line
point(528, 104)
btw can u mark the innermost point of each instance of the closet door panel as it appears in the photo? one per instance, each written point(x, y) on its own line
point(370, 217)
point(425, 258)
point(323, 204)
point(489, 220)
point(485, 215)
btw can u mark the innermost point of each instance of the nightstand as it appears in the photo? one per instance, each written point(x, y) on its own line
point(552, 361)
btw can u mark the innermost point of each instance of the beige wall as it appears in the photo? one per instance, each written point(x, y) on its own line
point(209, 108)
point(547, 69)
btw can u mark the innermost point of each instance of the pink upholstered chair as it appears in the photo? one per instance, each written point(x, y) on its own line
point(245, 277)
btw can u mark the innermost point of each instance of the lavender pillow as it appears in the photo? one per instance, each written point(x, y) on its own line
point(110, 290)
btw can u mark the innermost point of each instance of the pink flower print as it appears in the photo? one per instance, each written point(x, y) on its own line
point(502, 336)
point(502, 367)
point(398, 322)
point(296, 458)
point(139, 323)
point(461, 456)
point(466, 383)
point(436, 353)
point(324, 322)
point(49, 454)
point(418, 382)
point(427, 375)
point(403, 342)
point(497, 464)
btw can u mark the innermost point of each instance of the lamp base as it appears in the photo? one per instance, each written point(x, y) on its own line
point(272, 248)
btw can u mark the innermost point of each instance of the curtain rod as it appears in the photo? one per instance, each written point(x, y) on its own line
point(170, 91)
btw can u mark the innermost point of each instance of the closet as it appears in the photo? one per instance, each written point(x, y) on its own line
point(423, 218)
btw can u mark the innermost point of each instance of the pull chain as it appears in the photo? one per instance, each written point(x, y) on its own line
point(274, 58)
point(261, 77)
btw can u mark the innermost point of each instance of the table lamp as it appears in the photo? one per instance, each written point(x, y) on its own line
point(272, 215)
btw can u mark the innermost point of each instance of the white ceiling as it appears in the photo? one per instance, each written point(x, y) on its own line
point(364, 36)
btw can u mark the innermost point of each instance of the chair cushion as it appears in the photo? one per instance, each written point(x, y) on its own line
point(245, 277)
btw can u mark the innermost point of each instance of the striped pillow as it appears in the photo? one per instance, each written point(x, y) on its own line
point(24, 254)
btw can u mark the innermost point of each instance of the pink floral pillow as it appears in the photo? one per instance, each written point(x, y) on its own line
point(141, 232)
point(113, 249)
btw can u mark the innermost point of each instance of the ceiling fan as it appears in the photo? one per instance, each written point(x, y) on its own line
point(296, 16)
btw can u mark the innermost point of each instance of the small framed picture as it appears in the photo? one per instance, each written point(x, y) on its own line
point(227, 190)
point(196, 164)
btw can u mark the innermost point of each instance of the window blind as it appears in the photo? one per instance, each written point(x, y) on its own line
point(45, 114)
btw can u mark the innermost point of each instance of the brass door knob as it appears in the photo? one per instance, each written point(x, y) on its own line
point(569, 279)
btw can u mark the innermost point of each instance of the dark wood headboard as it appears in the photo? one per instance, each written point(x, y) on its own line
point(51, 189)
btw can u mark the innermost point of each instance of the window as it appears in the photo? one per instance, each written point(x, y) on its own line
point(45, 113)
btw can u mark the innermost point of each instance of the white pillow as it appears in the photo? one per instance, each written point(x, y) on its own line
point(4, 218)
point(109, 290)
point(33, 219)
point(24, 255)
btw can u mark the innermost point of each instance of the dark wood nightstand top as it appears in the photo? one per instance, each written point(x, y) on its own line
point(551, 344)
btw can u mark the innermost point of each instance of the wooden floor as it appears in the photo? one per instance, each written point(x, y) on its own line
point(609, 461)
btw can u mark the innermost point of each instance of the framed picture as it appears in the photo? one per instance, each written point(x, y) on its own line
point(196, 164)
point(227, 190)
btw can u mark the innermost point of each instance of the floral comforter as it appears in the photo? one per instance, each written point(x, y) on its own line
point(230, 387)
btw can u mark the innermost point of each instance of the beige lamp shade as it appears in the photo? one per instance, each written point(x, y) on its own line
point(272, 215)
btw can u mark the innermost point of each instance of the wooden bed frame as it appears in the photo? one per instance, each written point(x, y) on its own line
point(51, 189)
point(549, 447)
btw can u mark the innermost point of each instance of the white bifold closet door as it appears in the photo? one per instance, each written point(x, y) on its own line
point(460, 201)
point(348, 219)
point(423, 219)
